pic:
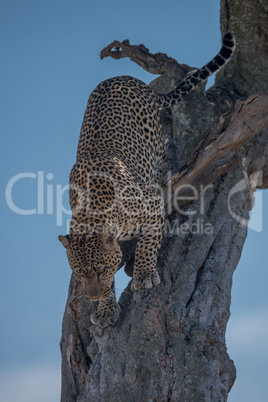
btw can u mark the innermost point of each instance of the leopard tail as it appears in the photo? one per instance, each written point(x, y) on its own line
point(192, 80)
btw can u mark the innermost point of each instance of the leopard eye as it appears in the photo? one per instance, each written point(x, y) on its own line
point(101, 269)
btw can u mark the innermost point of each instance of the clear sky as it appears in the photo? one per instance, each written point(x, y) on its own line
point(49, 65)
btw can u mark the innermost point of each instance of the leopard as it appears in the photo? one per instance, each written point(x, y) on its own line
point(114, 187)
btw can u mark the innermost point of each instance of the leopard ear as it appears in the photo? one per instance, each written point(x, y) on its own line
point(65, 240)
point(108, 241)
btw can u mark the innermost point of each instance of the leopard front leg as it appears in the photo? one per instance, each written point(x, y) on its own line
point(145, 274)
point(107, 313)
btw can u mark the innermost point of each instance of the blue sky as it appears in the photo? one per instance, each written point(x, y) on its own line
point(49, 65)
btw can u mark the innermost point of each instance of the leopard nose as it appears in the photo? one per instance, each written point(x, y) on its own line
point(93, 291)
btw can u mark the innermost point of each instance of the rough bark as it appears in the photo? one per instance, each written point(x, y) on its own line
point(169, 343)
point(218, 150)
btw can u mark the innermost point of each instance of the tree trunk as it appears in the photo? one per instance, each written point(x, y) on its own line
point(169, 343)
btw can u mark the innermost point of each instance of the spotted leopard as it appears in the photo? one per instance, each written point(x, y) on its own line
point(114, 184)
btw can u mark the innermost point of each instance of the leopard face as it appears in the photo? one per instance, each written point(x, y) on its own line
point(94, 261)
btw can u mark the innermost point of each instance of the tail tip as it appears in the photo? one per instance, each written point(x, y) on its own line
point(229, 40)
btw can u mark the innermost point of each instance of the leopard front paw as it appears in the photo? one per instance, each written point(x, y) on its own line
point(104, 317)
point(147, 281)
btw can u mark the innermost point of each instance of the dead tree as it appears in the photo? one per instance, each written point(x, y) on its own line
point(169, 343)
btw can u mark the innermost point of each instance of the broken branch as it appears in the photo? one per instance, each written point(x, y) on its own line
point(157, 63)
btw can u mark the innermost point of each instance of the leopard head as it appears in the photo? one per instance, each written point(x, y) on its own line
point(94, 260)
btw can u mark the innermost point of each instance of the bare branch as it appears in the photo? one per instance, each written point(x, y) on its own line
point(217, 152)
point(157, 63)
